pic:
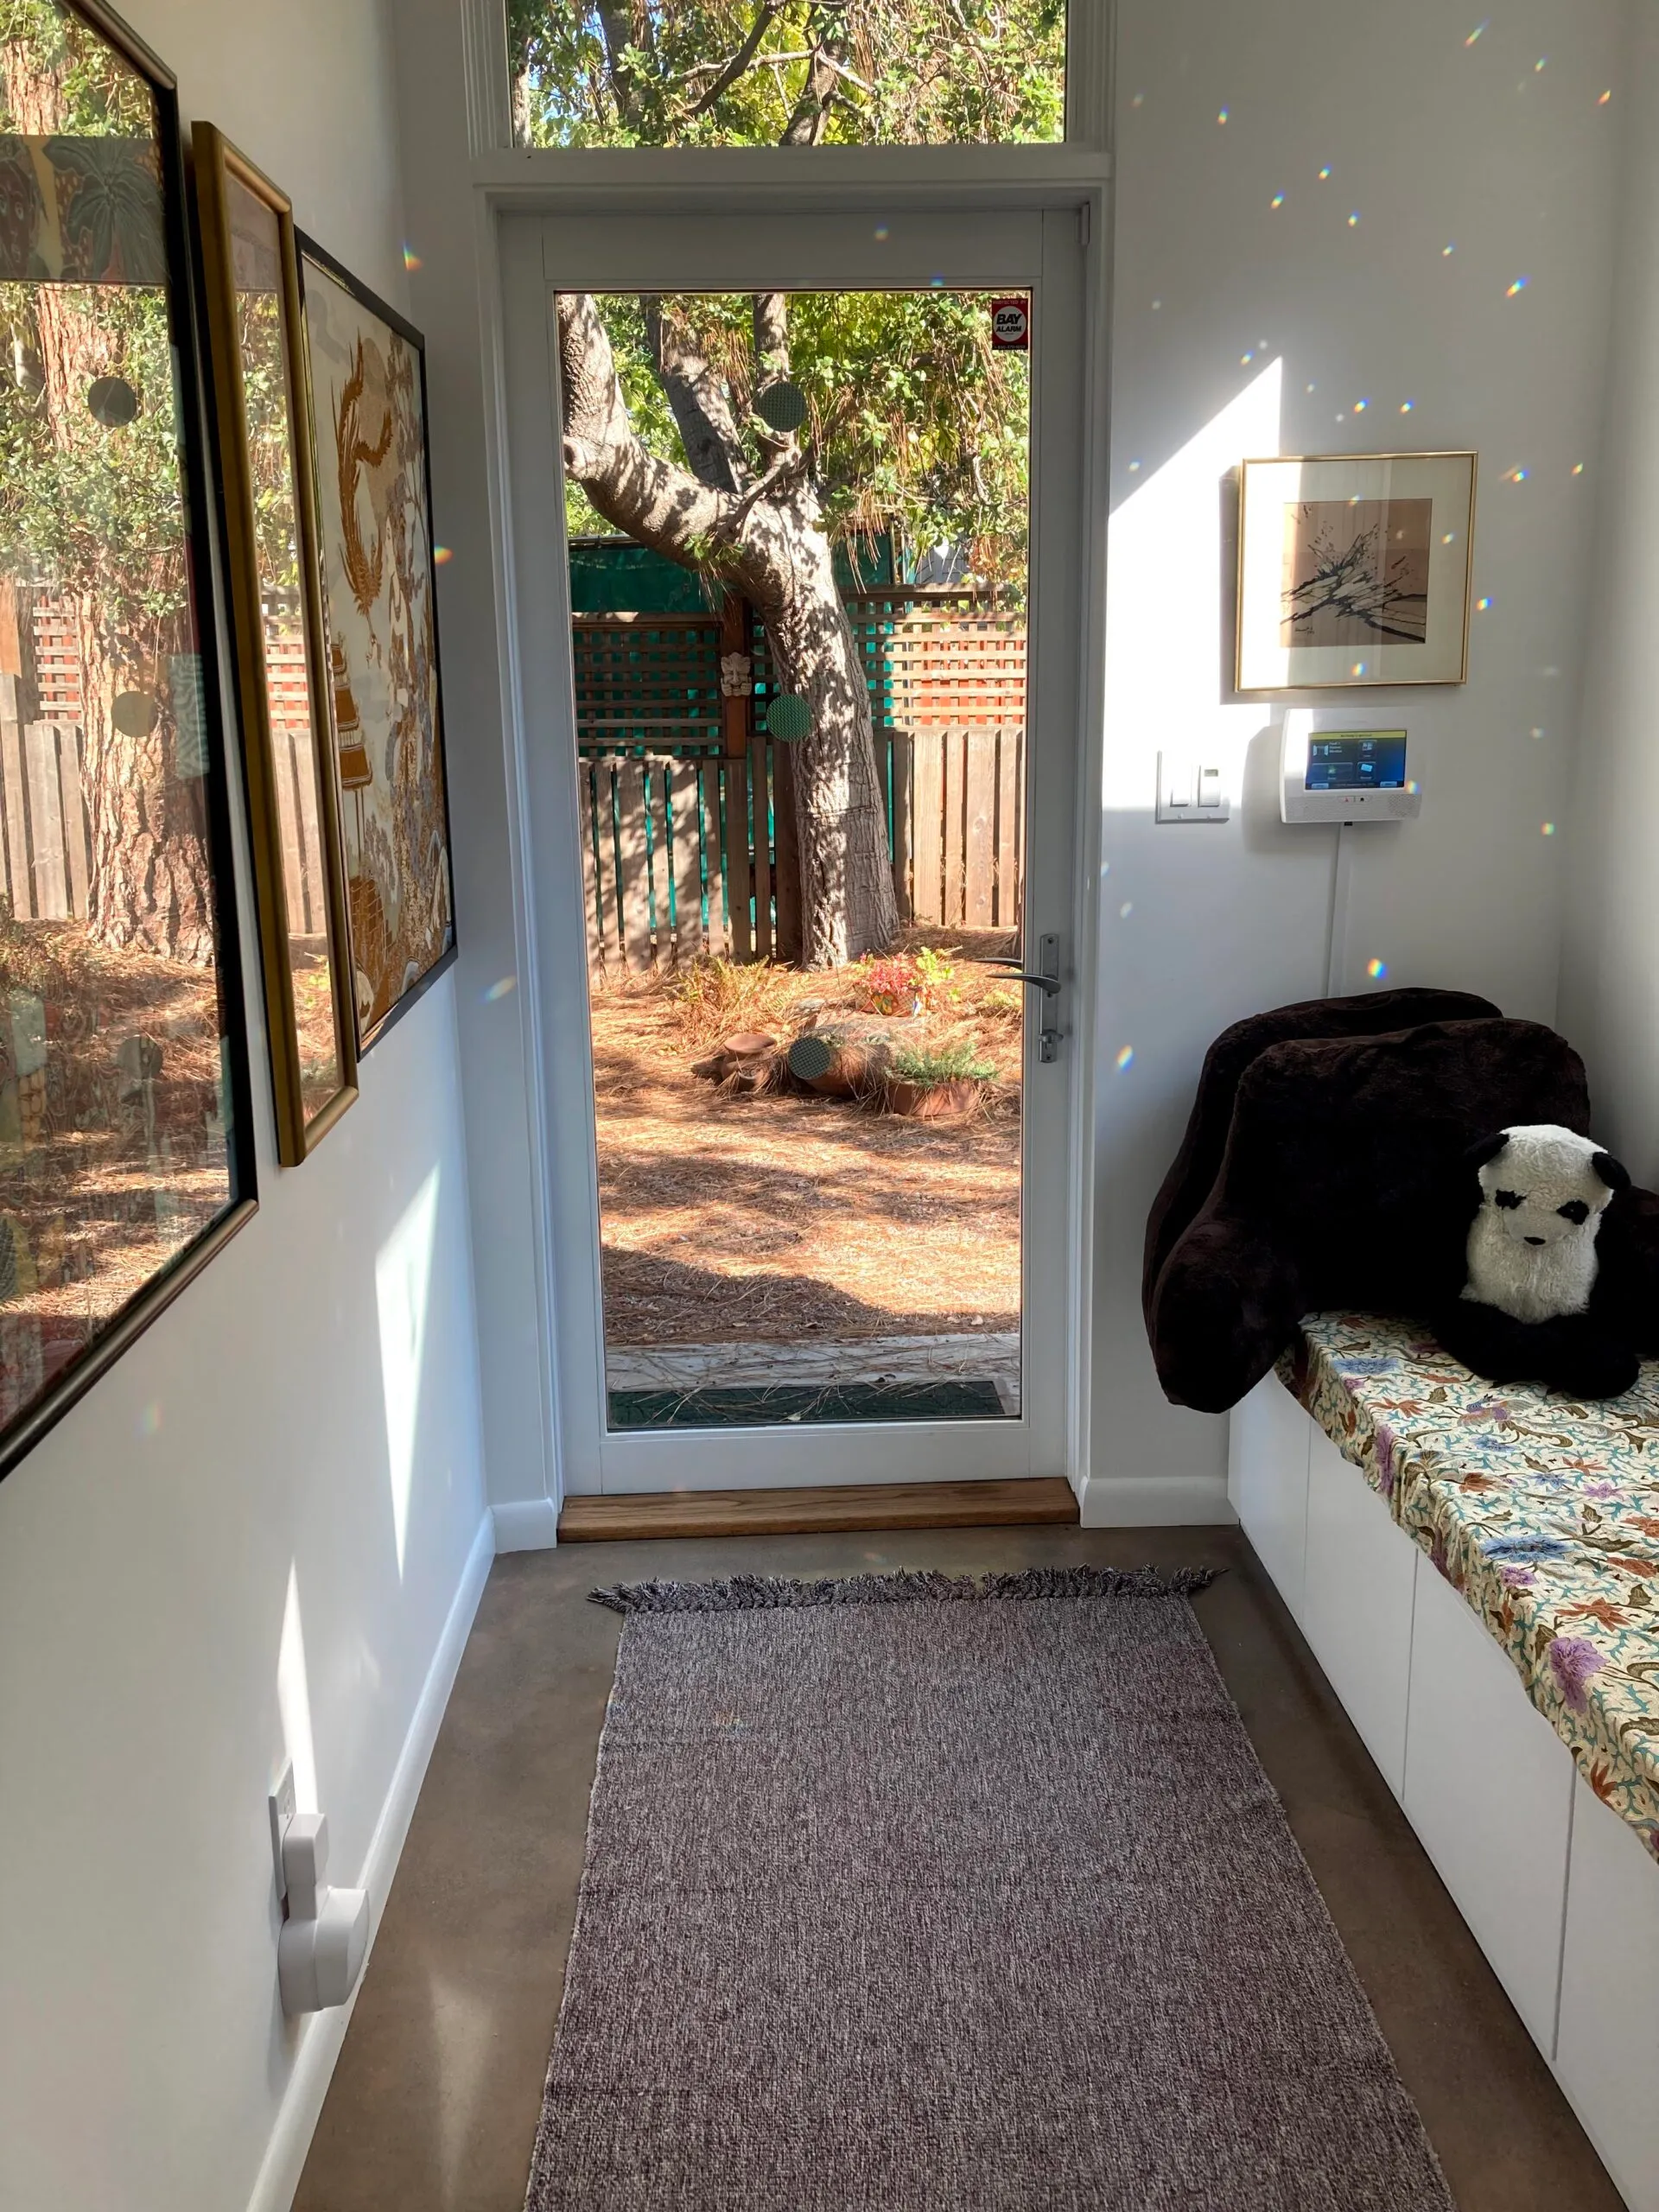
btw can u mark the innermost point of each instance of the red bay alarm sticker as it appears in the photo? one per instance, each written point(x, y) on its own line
point(1011, 325)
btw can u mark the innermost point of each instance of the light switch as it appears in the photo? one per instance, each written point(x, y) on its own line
point(1188, 791)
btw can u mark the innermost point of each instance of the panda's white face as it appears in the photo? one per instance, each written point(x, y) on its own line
point(1544, 1188)
point(1541, 1216)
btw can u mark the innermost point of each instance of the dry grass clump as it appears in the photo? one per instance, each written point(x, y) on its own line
point(715, 999)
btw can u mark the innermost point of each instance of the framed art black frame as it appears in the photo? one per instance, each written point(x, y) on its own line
point(351, 738)
point(137, 1058)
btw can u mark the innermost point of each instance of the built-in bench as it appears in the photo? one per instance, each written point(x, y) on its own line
point(1485, 1603)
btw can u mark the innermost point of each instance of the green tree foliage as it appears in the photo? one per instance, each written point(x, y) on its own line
point(87, 507)
point(103, 97)
point(917, 426)
point(270, 448)
point(741, 73)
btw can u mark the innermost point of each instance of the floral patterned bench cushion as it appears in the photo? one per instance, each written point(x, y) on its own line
point(1543, 1512)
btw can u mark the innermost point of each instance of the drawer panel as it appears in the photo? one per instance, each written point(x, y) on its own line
point(1357, 1614)
point(1489, 1790)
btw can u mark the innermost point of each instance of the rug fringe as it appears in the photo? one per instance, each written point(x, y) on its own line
point(756, 1593)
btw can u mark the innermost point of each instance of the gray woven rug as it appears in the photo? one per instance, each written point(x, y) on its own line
point(906, 1893)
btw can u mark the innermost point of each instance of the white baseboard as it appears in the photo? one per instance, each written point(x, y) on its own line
point(527, 1525)
point(1156, 1501)
point(313, 2065)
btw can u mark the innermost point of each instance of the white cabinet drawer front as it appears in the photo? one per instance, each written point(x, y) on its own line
point(1607, 2052)
point(1489, 1790)
point(1357, 1604)
point(1266, 1481)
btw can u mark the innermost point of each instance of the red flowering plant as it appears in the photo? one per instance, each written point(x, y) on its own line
point(905, 982)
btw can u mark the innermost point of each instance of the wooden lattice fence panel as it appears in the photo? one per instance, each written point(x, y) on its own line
point(651, 680)
point(57, 662)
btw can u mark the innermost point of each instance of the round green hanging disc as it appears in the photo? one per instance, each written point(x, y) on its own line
point(113, 402)
point(782, 406)
point(789, 718)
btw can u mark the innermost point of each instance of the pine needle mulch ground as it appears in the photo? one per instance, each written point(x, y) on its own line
point(727, 1218)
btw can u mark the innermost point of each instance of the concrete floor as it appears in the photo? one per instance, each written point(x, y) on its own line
point(434, 2105)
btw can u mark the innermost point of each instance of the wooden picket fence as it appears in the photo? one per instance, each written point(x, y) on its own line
point(687, 809)
point(45, 829)
point(47, 865)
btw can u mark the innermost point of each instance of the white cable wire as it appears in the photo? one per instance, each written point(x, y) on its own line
point(1335, 943)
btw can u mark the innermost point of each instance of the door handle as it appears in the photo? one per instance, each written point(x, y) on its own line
point(1048, 985)
point(1046, 978)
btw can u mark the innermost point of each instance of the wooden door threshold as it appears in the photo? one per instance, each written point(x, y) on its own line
point(1046, 1501)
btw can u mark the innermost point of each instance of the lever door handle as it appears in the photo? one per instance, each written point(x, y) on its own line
point(1047, 979)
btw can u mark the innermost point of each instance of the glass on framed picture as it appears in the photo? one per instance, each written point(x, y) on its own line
point(122, 1137)
point(253, 314)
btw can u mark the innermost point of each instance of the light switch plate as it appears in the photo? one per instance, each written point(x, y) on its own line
point(1180, 784)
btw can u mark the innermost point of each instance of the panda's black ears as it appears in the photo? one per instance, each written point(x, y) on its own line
point(1489, 1148)
point(1611, 1172)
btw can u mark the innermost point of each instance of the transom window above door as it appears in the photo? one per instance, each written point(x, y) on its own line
point(770, 72)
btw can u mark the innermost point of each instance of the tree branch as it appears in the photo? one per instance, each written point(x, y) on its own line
point(616, 23)
point(782, 472)
point(701, 407)
point(806, 125)
point(739, 62)
point(655, 503)
point(771, 363)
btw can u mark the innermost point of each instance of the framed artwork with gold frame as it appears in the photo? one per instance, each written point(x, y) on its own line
point(1354, 569)
point(251, 265)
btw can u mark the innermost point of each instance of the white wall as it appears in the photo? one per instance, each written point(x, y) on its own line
point(1610, 969)
point(248, 1542)
point(1226, 311)
point(453, 297)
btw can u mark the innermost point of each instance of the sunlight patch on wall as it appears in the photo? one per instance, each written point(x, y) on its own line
point(403, 1288)
point(1169, 603)
point(293, 1698)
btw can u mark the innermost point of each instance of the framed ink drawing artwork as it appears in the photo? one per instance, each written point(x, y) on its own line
point(125, 1153)
point(250, 267)
point(367, 370)
point(1354, 569)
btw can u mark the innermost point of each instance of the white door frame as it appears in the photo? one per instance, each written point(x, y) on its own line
point(1024, 244)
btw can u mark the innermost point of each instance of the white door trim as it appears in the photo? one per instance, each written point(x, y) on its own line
point(1013, 247)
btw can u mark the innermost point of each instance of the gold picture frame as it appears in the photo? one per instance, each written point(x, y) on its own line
point(1354, 570)
point(262, 427)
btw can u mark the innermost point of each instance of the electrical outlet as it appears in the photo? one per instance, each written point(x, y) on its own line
point(282, 1812)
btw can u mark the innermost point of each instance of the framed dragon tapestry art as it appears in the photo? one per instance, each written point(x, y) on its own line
point(125, 1160)
point(367, 370)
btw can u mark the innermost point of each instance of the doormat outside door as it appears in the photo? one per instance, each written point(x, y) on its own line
point(913, 1893)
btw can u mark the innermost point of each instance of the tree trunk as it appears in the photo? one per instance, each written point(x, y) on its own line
point(765, 538)
point(848, 907)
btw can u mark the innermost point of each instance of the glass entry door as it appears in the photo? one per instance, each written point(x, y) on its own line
point(805, 816)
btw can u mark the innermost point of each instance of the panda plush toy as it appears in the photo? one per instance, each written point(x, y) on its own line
point(1528, 1311)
